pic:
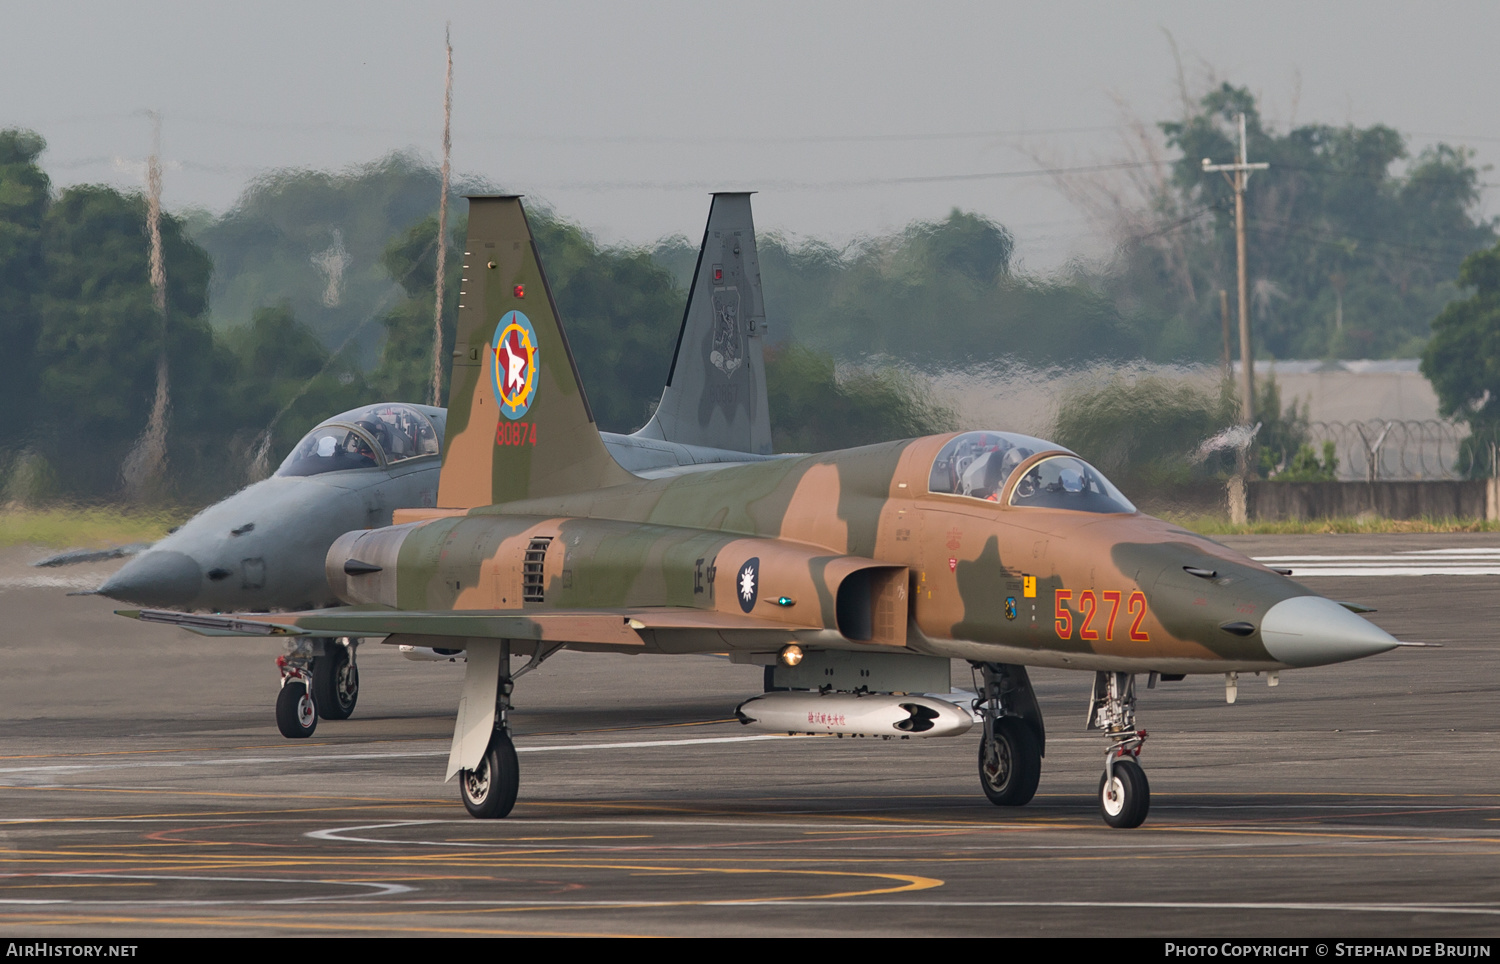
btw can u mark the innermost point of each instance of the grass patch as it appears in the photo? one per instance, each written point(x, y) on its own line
point(1210, 525)
point(85, 527)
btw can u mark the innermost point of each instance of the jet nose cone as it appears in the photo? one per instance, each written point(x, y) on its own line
point(1312, 631)
point(159, 578)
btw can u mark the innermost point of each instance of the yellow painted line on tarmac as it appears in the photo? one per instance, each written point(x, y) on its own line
point(221, 923)
point(173, 749)
point(366, 803)
point(101, 883)
point(632, 836)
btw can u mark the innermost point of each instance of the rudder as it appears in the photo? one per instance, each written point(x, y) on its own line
point(519, 423)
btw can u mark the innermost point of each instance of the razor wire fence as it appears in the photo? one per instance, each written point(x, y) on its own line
point(1391, 450)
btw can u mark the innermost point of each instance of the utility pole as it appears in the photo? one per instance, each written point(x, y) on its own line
point(145, 464)
point(435, 397)
point(1224, 317)
point(1241, 169)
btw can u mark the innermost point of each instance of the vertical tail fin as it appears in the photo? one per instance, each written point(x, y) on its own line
point(519, 424)
point(716, 391)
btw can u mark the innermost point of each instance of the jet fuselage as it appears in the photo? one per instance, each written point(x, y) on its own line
point(841, 547)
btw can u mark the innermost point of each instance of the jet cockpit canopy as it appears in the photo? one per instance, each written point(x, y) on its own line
point(369, 437)
point(980, 464)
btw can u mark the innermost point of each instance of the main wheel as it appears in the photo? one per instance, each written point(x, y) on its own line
point(335, 683)
point(1125, 799)
point(296, 713)
point(1009, 776)
point(489, 790)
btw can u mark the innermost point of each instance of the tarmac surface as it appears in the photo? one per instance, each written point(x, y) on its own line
point(144, 790)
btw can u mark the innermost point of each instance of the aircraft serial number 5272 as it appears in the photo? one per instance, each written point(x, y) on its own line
point(857, 575)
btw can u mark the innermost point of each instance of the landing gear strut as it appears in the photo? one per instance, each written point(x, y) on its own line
point(1010, 752)
point(1124, 792)
point(489, 784)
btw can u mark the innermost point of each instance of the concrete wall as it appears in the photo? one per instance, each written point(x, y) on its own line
point(1271, 501)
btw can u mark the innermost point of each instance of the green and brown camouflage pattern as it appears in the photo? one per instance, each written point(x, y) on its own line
point(502, 272)
point(554, 543)
point(949, 562)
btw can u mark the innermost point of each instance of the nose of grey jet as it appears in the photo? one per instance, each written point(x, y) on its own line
point(159, 578)
point(1312, 631)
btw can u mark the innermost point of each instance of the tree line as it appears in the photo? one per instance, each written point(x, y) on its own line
point(314, 294)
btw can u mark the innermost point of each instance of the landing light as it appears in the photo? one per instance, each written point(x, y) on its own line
point(791, 654)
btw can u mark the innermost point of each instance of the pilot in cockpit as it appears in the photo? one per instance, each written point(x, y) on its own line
point(985, 476)
point(358, 448)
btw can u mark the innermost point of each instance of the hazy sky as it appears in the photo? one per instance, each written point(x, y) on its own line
point(849, 118)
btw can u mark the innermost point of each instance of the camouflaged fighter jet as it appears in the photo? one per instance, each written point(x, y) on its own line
point(855, 575)
point(263, 547)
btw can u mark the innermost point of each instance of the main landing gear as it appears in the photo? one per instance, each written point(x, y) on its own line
point(1014, 740)
point(317, 677)
point(1124, 792)
point(336, 679)
point(489, 784)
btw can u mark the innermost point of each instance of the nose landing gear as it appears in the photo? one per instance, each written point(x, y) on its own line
point(296, 713)
point(1124, 792)
point(318, 678)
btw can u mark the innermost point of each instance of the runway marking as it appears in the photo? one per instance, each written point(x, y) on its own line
point(380, 889)
point(219, 923)
point(50, 582)
point(1419, 562)
point(305, 745)
point(897, 883)
point(388, 755)
point(1488, 910)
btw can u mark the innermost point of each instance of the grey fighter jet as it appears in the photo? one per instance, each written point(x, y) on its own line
point(263, 548)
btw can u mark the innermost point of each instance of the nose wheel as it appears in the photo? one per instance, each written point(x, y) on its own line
point(296, 713)
point(1124, 791)
point(1124, 794)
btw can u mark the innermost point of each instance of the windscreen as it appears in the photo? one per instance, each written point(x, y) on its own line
point(1065, 482)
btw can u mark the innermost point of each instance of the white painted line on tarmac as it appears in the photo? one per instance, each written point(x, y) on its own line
point(378, 888)
point(1418, 562)
point(50, 582)
point(301, 760)
point(649, 743)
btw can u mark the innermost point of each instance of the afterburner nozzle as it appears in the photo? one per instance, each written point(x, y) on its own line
point(1313, 631)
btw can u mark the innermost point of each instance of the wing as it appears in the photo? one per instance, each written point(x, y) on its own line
point(622, 630)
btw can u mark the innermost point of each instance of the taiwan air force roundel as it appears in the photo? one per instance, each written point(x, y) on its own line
point(515, 368)
point(747, 583)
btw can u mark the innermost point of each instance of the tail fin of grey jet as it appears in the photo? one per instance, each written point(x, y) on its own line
point(716, 390)
point(519, 424)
